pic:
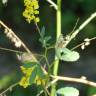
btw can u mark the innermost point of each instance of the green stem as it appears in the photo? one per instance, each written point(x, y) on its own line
point(10, 50)
point(56, 64)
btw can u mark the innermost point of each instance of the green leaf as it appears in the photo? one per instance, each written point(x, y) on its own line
point(41, 40)
point(42, 35)
point(33, 75)
point(42, 32)
point(29, 64)
point(47, 38)
point(44, 39)
point(67, 55)
point(44, 43)
point(91, 91)
point(40, 72)
point(67, 91)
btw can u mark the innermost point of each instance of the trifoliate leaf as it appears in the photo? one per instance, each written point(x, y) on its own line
point(29, 64)
point(67, 91)
point(33, 76)
point(44, 39)
point(42, 33)
point(47, 38)
point(67, 55)
point(40, 72)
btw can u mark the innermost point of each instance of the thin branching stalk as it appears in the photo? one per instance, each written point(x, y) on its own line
point(79, 45)
point(10, 50)
point(82, 80)
point(10, 30)
point(9, 88)
point(52, 4)
point(16, 51)
point(38, 29)
point(51, 83)
point(56, 64)
point(24, 46)
point(74, 34)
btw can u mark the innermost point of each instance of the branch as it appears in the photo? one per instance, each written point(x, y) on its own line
point(51, 83)
point(80, 28)
point(13, 33)
point(79, 45)
point(82, 80)
point(10, 50)
point(52, 3)
point(9, 88)
point(18, 39)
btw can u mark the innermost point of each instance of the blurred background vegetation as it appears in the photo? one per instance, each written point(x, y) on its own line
point(11, 15)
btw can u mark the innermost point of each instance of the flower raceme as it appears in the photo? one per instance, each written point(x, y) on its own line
point(31, 10)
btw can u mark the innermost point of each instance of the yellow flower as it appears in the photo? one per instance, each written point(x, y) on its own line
point(24, 82)
point(40, 81)
point(37, 19)
point(31, 10)
point(36, 12)
point(27, 71)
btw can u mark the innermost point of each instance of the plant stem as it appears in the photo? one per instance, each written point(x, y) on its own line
point(11, 87)
point(74, 34)
point(10, 50)
point(53, 4)
point(56, 64)
point(24, 46)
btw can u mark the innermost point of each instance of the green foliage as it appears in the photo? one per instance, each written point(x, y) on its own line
point(29, 64)
point(36, 73)
point(33, 72)
point(44, 39)
point(67, 55)
point(5, 81)
point(37, 69)
point(64, 53)
point(91, 91)
point(33, 76)
point(40, 72)
point(67, 91)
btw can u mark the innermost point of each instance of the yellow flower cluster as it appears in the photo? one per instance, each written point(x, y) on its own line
point(24, 82)
point(31, 10)
point(25, 79)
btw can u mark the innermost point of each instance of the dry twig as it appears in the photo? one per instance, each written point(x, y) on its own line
point(52, 3)
point(75, 80)
point(94, 38)
point(80, 28)
point(13, 33)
